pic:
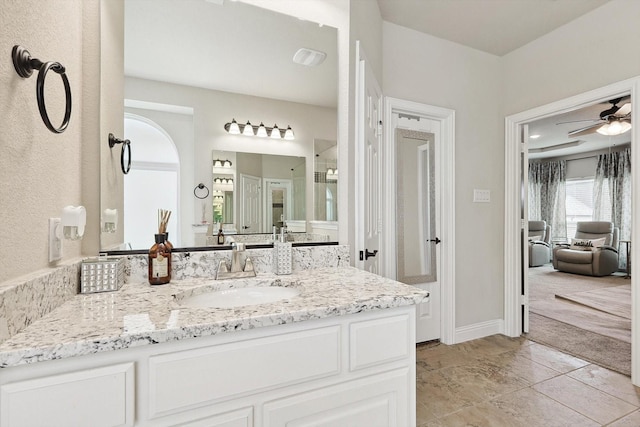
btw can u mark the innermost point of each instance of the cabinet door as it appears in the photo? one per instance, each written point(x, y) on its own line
point(381, 400)
point(240, 418)
point(101, 397)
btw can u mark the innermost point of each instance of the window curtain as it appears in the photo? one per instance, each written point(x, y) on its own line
point(612, 194)
point(547, 193)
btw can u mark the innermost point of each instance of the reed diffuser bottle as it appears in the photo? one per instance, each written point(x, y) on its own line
point(160, 253)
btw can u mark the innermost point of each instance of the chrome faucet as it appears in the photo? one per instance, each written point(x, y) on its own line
point(241, 265)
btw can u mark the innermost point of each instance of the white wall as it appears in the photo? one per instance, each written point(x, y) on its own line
point(597, 49)
point(426, 69)
point(41, 172)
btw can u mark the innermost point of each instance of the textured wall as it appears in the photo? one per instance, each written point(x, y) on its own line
point(41, 172)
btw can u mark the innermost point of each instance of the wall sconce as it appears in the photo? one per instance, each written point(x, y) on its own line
point(109, 220)
point(261, 131)
point(70, 226)
point(217, 163)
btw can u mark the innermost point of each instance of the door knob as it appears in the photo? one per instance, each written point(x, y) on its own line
point(435, 240)
point(244, 227)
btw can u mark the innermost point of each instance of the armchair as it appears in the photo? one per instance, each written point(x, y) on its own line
point(539, 247)
point(599, 260)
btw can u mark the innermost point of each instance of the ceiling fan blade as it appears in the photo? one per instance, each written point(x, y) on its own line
point(585, 130)
point(624, 110)
point(578, 121)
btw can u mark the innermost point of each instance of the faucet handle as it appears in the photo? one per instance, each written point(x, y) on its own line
point(248, 265)
point(222, 267)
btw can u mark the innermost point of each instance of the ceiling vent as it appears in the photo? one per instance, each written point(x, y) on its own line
point(309, 57)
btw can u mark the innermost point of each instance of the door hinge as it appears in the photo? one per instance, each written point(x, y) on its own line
point(522, 223)
point(524, 300)
point(379, 127)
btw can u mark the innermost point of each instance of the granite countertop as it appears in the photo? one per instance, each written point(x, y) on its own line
point(140, 314)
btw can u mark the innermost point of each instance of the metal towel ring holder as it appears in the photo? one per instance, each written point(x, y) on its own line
point(200, 187)
point(24, 65)
point(125, 144)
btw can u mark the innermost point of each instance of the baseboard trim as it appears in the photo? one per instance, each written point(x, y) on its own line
point(479, 330)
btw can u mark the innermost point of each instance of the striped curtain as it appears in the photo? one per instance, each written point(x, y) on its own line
point(547, 194)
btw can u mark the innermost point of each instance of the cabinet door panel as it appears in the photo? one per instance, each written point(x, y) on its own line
point(373, 342)
point(377, 401)
point(188, 379)
point(239, 418)
point(93, 397)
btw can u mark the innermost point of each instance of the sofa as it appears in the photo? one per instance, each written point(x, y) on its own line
point(593, 251)
point(539, 243)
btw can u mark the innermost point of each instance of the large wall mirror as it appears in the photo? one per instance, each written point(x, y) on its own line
point(190, 68)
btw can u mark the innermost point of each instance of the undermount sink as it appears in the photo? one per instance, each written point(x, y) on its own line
point(238, 297)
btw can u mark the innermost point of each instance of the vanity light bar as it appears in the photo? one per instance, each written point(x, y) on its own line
point(219, 180)
point(217, 163)
point(261, 131)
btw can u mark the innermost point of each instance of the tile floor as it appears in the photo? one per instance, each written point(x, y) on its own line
point(499, 381)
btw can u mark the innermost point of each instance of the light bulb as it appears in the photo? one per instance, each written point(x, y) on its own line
point(234, 129)
point(248, 129)
point(288, 134)
point(262, 131)
point(275, 132)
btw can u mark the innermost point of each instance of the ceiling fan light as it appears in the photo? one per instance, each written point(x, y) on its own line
point(262, 131)
point(616, 127)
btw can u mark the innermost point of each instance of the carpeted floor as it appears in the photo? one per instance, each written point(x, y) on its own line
point(587, 317)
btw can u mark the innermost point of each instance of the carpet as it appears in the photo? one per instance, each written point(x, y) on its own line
point(614, 300)
point(604, 351)
point(571, 324)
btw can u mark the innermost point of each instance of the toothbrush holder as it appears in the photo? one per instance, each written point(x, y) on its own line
point(282, 257)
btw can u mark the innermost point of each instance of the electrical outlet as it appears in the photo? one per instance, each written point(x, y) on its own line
point(55, 240)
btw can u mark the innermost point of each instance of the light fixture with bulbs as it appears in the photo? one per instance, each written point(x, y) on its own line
point(614, 127)
point(234, 128)
point(217, 163)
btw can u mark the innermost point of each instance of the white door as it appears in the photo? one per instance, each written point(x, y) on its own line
point(369, 124)
point(278, 203)
point(418, 209)
point(250, 204)
point(524, 229)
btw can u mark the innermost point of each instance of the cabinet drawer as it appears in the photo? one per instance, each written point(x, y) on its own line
point(239, 418)
point(378, 341)
point(93, 397)
point(378, 401)
point(187, 379)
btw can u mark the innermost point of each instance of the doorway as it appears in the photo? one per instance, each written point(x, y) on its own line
point(414, 130)
point(516, 282)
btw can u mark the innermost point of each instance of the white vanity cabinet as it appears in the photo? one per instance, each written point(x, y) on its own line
point(354, 370)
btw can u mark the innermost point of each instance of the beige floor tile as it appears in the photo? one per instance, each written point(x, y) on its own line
point(423, 414)
point(440, 395)
point(631, 420)
point(593, 403)
point(551, 358)
point(488, 380)
point(494, 344)
point(523, 367)
point(444, 356)
point(535, 409)
point(611, 382)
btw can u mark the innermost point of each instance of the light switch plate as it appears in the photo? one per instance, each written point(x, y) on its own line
point(55, 242)
point(481, 196)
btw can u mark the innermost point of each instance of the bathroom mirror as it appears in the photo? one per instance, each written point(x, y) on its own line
point(325, 179)
point(190, 66)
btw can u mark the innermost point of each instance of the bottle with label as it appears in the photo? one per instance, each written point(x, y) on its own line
point(167, 243)
point(159, 262)
point(220, 237)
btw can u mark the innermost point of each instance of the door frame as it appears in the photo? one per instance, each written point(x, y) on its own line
point(268, 184)
point(445, 181)
point(513, 265)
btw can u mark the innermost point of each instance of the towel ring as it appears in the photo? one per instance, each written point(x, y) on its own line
point(126, 144)
point(24, 65)
point(200, 187)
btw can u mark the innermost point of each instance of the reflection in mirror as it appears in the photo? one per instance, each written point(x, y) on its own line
point(416, 257)
point(325, 180)
point(244, 72)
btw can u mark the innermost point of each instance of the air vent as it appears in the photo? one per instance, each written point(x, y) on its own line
point(309, 57)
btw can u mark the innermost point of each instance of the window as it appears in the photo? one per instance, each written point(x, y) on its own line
point(579, 203)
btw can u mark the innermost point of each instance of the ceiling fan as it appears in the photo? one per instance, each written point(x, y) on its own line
point(613, 121)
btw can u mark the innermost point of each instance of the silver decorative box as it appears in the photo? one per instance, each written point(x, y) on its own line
point(101, 274)
point(282, 257)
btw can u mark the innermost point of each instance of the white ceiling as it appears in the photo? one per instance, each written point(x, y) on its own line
point(553, 131)
point(229, 46)
point(493, 26)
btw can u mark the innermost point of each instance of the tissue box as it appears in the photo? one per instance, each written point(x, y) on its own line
point(282, 257)
point(101, 274)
